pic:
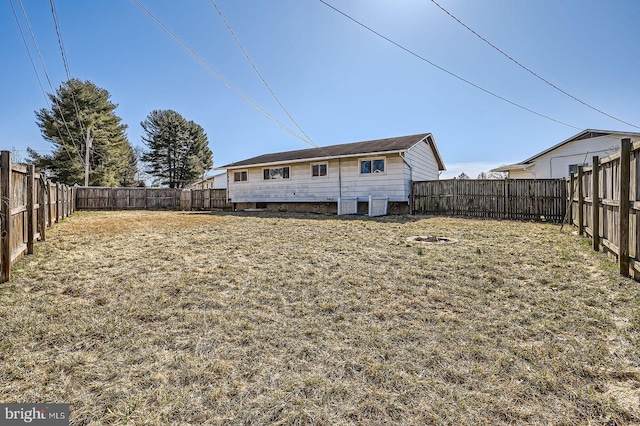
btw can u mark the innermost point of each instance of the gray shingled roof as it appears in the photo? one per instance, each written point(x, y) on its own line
point(396, 144)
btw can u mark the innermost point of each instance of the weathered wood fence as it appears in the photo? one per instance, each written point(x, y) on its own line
point(29, 204)
point(209, 199)
point(104, 198)
point(512, 199)
point(605, 205)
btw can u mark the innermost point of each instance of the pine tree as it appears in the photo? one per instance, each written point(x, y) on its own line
point(80, 110)
point(178, 152)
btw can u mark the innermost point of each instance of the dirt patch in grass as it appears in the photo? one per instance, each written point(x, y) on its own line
point(199, 318)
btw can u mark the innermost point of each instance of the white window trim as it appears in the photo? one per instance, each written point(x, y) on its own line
point(326, 163)
point(278, 167)
point(360, 160)
point(233, 178)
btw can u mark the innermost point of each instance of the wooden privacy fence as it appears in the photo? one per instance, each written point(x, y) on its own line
point(209, 199)
point(29, 204)
point(605, 204)
point(101, 198)
point(513, 199)
point(105, 198)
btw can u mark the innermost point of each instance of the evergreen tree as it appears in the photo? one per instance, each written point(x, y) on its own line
point(178, 152)
point(81, 111)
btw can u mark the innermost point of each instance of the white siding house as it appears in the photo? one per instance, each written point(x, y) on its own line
point(562, 159)
point(218, 181)
point(382, 168)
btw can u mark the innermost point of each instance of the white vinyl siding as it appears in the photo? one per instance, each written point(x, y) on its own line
point(423, 162)
point(389, 184)
point(302, 187)
point(522, 174)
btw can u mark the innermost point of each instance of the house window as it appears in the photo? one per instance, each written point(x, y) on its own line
point(318, 170)
point(276, 173)
point(240, 176)
point(573, 168)
point(371, 165)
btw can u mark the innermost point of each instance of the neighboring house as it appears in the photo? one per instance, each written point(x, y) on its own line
point(218, 181)
point(564, 158)
point(319, 177)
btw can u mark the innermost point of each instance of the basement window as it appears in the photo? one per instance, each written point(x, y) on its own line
point(319, 169)
point(371, 165)
point(276, 173)
point(240, 176)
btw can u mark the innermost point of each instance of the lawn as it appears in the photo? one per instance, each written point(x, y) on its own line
point(220, 318)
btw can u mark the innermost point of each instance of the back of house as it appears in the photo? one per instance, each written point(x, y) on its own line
point(316, 179)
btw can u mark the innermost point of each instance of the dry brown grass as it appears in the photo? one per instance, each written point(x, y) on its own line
point(197, 318)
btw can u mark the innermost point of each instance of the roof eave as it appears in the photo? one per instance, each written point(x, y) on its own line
point(432, 143)
point(510, 167)
point(578, 136)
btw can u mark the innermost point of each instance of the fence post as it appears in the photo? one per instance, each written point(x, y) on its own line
point(73, 199)
point(42, 210)
point(572, 188)
point(49, 201)
point(31, 171)
point(5, 215)
point(623, 220)
point(595, 205)
point(580, 201)
point(455, 195)
point(506, 202)
point(66, 200)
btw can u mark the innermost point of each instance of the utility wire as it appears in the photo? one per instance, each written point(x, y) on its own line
point(60, 44)
point(26, 45)
point(64, 61)
point(422, 58)
point(529, 70)
point(55, 100)
point(216, 74)
point(309, 140)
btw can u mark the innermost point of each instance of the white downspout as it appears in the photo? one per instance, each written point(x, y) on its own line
point(410, 177)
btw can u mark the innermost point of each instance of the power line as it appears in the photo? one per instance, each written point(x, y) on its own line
point(529, 70)
point(309, 140)
point(26, 45)
point(60, 44)
point(24, 13)
point(65, 63)
point(422, 58)
point(216, 74)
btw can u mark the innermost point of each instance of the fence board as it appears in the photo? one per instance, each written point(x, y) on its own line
point(617, 230)
point(26, 209)
point(209, 199)
point(98, 198)
point(514, 199)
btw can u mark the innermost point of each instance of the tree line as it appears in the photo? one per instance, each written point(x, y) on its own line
point(90, 144)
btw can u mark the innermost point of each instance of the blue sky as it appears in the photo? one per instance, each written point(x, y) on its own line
point(340, 82)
